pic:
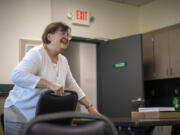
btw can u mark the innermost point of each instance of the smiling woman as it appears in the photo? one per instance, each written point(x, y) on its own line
point(42, 68)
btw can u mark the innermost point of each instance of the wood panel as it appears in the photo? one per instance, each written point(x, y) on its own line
point(174, 45)
point(161, 54)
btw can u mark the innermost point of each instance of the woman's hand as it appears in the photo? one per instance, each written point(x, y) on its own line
point(84, 101)
point(58, 89)
point(92, 110)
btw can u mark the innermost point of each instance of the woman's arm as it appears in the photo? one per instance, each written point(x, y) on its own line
point(43, 83)
point(25, 73)
point(72, 85)
point(84, 101)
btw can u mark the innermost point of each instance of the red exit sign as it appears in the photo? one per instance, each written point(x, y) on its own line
point(81, 16)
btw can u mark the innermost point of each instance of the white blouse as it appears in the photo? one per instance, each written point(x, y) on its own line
point(35, 65)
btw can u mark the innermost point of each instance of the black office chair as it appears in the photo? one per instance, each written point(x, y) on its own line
point(2, 121)
point(50, 124)
point(50, 103)
point(175, 130)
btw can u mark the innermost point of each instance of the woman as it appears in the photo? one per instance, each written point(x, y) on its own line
point(43, 68)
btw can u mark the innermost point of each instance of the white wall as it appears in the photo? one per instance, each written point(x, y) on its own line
point(159, 14)
point(28, 18)
point(112, 20)
point(19, 19)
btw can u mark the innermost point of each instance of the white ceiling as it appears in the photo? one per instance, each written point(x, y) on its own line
point(133, 2)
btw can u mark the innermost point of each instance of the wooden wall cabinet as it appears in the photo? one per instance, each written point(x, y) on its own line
point(161, 54)
point(174, 42)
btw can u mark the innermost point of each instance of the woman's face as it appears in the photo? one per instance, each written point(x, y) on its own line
point(60, 39)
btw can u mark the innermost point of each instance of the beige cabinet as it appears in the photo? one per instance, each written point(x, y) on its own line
point(161, 54)
point(174, 43)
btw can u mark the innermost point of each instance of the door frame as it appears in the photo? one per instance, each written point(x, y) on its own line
point(98, 43)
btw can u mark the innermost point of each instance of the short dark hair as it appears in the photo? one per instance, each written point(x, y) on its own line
point(52, 28)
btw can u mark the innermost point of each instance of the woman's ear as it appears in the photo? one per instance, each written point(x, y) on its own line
point(49, 36)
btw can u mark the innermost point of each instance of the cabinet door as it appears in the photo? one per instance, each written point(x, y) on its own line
point(148, 58)
point(174, 48)
point(161, 55)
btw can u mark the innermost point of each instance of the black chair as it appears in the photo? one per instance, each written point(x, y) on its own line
point(175, 130)
point(50, 124)
point(2, 121)
point(50, 103)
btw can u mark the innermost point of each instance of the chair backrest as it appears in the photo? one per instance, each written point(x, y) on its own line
point(48, 125)
point(50, 103)
point(2, 121)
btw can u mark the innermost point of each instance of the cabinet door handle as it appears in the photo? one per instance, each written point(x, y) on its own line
point(167, 72)
point(171, 71)
point(154, 75)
